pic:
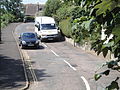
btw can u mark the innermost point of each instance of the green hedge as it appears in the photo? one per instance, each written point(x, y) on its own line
point(65, 27)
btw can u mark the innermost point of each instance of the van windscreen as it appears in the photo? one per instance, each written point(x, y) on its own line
point(47, 26)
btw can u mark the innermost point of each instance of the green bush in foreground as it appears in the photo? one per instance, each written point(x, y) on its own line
point(65, 27)
point(6, 19)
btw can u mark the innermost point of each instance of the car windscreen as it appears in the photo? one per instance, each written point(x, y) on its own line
point(47, 26)
point(28, 35)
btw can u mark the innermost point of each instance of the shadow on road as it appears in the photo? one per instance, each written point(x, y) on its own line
point(41, 75)
point(11, 73)
point(62, 39)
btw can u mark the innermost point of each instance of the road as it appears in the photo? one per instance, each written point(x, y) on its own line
point(60, 66)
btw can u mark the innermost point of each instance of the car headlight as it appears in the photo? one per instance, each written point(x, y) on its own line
point(23, 42)
point(37, 41)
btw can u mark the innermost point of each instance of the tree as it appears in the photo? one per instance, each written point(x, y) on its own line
point(10, 10)
point(15, 7)
point(51, 7)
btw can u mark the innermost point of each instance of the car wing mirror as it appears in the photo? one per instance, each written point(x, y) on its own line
point(36, 25)
point(19, 37)
point(39, 37)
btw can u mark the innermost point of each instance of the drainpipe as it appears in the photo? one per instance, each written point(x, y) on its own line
point(38, 6)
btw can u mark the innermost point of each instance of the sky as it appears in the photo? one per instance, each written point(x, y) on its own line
point(34, 1)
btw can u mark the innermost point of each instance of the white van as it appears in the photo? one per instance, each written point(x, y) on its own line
point(46, 28)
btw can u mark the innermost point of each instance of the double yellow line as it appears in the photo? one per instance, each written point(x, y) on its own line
point(26, 63)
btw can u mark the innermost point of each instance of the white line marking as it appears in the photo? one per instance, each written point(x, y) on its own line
point(45, 45)
point(70, 65)
point(55, 53)
point(86, 83)
point(64, 61)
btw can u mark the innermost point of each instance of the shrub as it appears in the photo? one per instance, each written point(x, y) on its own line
point(65, 27)
point(6, 18)
point(63, 12)
point(51, 7)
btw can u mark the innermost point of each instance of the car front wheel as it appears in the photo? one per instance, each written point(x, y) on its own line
point(22, 47)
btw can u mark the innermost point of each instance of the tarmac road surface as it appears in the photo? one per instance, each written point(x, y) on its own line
point(60, 66)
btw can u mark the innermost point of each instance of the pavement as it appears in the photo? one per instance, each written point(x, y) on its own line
point(12, 76)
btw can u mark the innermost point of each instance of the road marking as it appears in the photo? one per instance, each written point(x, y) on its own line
point(69, 65)
point(86, 83)
point(64, 61)
point(23, 62)
point(27, 58)
point(45, 45)
point(25, 55)
point(55, 53)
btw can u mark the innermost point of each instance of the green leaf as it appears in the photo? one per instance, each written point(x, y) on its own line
point(116, 30)
point(109, 44)
point(87, 24)
point(117, 39)
point(97, 76)
point(106, 5)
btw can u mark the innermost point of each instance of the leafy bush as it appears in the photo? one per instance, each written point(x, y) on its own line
point(80, 33)
point(51, 7)
point(65, 27)
point(6, 18)
point(69, 11)
point(77, 12)
point(63, 12)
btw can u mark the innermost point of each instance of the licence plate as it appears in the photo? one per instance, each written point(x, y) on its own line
point(50, 38)
point(30, 44)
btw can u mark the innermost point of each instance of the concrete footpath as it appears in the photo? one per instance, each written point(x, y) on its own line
point(12, 75)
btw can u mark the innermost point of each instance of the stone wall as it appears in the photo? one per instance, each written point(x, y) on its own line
point(87, 47)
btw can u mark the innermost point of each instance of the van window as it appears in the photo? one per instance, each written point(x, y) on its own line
point(48, 26)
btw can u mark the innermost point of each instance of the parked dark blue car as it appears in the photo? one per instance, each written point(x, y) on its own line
point(29, 39)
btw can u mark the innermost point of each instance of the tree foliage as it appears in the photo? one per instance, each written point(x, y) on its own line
point(107, 5)
point(10, 11)
point(51, 7)
point(13, 7)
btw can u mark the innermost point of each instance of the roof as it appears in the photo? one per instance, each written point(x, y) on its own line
point(45, 20)
point(31, 9)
